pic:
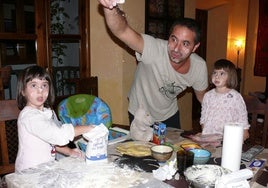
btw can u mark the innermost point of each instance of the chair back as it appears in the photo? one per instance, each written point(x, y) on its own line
point(258, 119)
point(87, 85)
point(84, 109)
point(8, 135)
point(2, 91)
point(5, 74)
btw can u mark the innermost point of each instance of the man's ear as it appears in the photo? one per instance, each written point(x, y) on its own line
point(196, 46)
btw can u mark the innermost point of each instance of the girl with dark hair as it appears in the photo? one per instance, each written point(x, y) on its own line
point(223, 104)
point(40, 133)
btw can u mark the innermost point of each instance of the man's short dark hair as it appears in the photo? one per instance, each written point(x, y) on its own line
point(190, 24)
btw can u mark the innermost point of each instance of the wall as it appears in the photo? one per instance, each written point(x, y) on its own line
point(114, 65)
point(217, 31)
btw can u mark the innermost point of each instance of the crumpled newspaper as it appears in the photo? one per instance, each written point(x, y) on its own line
point(166, 172)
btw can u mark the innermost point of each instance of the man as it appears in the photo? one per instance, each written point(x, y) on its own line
point(165, 68)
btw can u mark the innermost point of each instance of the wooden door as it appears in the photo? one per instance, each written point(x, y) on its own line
point(201, 17)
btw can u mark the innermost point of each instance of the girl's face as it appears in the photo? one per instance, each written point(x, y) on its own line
point(36, 93)
point(181, 44)
point(219, 78)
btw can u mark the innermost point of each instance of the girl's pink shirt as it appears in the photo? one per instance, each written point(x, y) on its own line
point(219, 109)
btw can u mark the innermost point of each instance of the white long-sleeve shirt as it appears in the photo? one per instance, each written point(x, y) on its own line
point(38, 132)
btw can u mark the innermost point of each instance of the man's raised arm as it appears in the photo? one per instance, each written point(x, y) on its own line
point(117, 23)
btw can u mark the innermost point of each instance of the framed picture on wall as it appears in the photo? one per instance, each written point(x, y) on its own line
point(160, 14)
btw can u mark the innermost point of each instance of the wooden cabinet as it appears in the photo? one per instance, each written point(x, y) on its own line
point(50, 33)
point(17, 32)
point(29, 32)
point(160, 14)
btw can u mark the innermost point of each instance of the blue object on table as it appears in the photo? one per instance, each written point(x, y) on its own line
point(201, 156)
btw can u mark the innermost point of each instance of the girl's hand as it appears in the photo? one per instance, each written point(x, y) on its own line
point(91, 127)
point(246, 134)
point(76, 153)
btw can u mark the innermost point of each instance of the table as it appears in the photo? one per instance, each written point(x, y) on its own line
point(75, 173)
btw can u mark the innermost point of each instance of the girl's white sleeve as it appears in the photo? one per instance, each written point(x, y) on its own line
point(44, 126)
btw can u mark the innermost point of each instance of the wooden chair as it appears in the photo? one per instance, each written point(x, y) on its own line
point(5, 75)
point(2, 91)
point(8, 135)
point(82, 86)
point(86, 85)
point(258, 119)
point(61, 75)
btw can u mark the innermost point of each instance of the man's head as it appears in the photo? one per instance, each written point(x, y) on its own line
point(189, 23)
point(184, 39)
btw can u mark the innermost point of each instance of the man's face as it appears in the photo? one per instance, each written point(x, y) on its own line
point(181, 44)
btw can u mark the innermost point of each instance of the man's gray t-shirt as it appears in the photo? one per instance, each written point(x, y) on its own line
point(156, 84)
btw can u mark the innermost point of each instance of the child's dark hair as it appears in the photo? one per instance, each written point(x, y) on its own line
point(230, 68)
point(190, 24)
point(29, 74)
